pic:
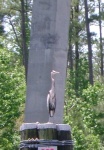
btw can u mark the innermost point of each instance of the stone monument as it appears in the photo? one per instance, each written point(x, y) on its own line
point(48, 51)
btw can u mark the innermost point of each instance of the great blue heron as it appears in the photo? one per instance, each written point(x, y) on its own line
point(51, 97)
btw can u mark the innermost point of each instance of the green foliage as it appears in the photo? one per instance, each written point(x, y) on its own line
point(84, 109)
point(84, 140)
point(93, 99)
point(78, 79)
point(84, 104)
point(12, 88)
point(84, 112)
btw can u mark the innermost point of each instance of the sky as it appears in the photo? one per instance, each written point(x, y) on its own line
point(94, 28)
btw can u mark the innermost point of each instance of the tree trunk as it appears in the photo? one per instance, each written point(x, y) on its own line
point(76, 51)
point(101, 44)
point(89, 44)
point(70, 51)
point(70, 56)
point(24, 45)
point(17, 40)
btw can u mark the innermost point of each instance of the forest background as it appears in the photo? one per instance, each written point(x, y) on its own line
point(84, 93)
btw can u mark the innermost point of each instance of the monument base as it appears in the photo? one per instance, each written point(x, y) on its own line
point(46, 136)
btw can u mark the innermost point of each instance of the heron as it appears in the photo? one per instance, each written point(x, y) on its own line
point(51, 97)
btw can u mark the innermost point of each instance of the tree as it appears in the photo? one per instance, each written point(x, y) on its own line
point(85, 114)
point(83, 110)
point(101, 43)
point(12, 91)
point(17, 16)
point(23, 30)
point(89, 43)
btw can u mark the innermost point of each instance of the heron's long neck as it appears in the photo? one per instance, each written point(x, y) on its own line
point(53, 83)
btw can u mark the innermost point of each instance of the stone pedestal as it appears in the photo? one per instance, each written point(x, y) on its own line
point(35, 135)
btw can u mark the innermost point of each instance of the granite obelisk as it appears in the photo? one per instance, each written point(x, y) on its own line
point(48, 51)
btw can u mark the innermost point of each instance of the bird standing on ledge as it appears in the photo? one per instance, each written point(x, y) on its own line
point(51, 97)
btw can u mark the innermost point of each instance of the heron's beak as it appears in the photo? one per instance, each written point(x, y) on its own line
point(54, 72)
point(57, 72)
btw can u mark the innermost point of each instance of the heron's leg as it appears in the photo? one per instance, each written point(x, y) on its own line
point(53, 120)
point(49, 119)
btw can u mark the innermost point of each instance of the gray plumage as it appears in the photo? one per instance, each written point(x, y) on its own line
point(51, 97)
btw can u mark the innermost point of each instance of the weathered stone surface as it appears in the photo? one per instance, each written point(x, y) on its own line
point(48, 51)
